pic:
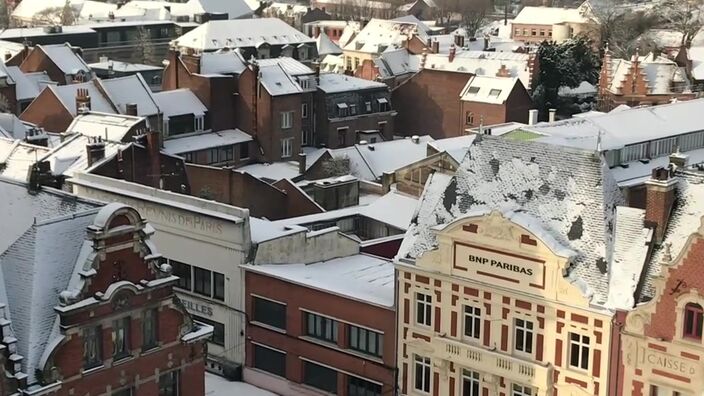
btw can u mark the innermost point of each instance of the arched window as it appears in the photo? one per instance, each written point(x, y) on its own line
point(693, 319)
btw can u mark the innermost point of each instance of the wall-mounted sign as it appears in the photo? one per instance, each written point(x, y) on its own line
point(651, 360)
point(493, 265)
point(197, 307)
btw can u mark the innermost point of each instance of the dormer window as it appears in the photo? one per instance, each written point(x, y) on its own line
point(693, 319)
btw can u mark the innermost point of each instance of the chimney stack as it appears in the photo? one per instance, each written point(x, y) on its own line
point(302, 163)
point(486, 43)
point(451, 57)
point(679, 160)
point(37, 137)
point(459, 40)
point(131, 109)
point(82, 101)
point(552, 113)
point(660, 197)
point(435, 47)
point(95, 150)
point(154, 151)
point(532, 116)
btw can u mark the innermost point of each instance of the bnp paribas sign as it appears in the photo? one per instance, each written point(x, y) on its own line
point(494, 266)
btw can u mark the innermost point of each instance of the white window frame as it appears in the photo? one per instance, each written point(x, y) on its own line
point(426, 364)
point(473, 377)
point(527, 327)
point(286, 119)
point(199, 123)
point(583, 346)
point(287, 147)
point(427, 305)
point(475, 315)
point(521, 390)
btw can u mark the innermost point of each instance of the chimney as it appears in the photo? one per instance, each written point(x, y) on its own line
point(486, 43)
point(459, 40)
point(95, 150)
point(429, 43)
point(415, 139)
point(451, 57)
point(660, 196)
point(551, 116)
point(82, 101)
point(532, 116)
point(679, 160)
point(387, 179)
point(37, 137)
point(302, 163)
point(150, 141)
point(436, 47)
point(131, 109)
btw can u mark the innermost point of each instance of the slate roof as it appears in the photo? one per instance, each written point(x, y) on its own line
point(484, 89)
point(483, 63)
point(16, 157)
point(380, 34)
point(567, 192)
point(65, 58)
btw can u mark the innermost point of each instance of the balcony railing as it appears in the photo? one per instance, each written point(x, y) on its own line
point(496, 363)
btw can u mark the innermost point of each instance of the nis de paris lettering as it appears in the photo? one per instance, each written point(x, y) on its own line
point(500, 264)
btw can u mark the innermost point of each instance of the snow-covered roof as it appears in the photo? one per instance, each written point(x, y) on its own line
point(64, 58)
point(332, 64)
point(262, 230)
point(12, 127)
point(696, 55)
point(396, 62)
point(484, 89)
point(71, 155)
point(10, 47)
point(43, 235)
point(179, 102)
point(186, 144)
point(28, 85)
point(278, 75)
point(394, 208)
point(235, 9)
point(554, 15)
point(483, 63)
point(21, 33)
point(335, 83)
point(360, 277)
point(113, 127)
point(96, 11)
point(272, 171)
point(380, 34)
point(16, 157)
point(216, 385)
point(326, 46)
point(566, 192)
point(131, 89)
point(222, 62)
point(584, 88)
point(215, 35)
point(67, 95)
point(123, 67)
point(28, 10)
point(660, 73)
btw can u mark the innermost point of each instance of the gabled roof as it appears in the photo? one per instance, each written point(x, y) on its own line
point(222, 62)
point(71, 156)
point(326, 46)
point(278, 76)
point(380, 34)
point(179, 102)
point(67, 96)
point(130, 89)
point(28, 85)
point(16, 157)
point(492, 90)
point(235, 9)
point(336, 83)
point(214, 35)
point(112, 127)
point(65, 58)
point(554, 15)
point(660, 74)
point(568, 193)
point(204, 141)
point(483, 63)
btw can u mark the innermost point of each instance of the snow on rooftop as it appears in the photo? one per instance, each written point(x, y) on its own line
point(380, 34)
point(16, 157)
point(179, 102)
point(71, 156)
point(492, 90)
point(360, 277)
point(235, 9)
point(27, 85)
point(394, 208)
point(222, 62)
point(483, 63)
point(553, 15)
point(186, 144)
point(215, 35)
point(131, 89)
point(216, 385)
point(64, 58)
point(335, 83)
point(112, 127)
point(124, 67)
point(263, 230)
point(67, 95)
point(272, 171)
point(326, 46)
point(277, 79)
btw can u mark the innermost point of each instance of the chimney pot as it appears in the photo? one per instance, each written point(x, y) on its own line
point(532, 116)
point(453, 50)
point(552, 113)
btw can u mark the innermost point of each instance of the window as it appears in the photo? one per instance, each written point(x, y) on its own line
point(244, 151)
point(517, 32)
point(212, 156)
point(188, 157)
point(473, 90)
point(286, 147)
point(168, 384)
point(320, 377)
point(286, 119)
point(366, 341)
point(304, 83)
point(542, 32)
point(359, 387)
point(521, 390)
point(693, 321)
point(304, 110)
point(422, 374)
point(121, 337)
point(348, 63)
point(495, 92)
point(183, 271)
point(368, 106)
point(123, 392)
point(150, 328)
point(472, 321)
point(342, 109)
point(579, 351)
point(218, 337)
point(383, 104)
point(270, 360)
point(524, 336)
point(469, 118)
point(533, 32)
point(353, 109)
point(225, 154)
point(269, 312)
point(356, 63)
point(341, 136)
point(199, 123)
point(92, 347)
point(219, 289)
point(202, 281)
point(321, 327)
point(470, 383)
point(424, 308)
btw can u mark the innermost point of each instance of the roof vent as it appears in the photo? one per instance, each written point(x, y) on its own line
point(415, 139)
point(370, 147)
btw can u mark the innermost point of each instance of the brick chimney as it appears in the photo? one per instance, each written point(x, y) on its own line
point(503, 71)
point(302, 163)
point(82, 101)
point(153, 150)
point(459, 40)
point(435, 48)
point(451, 56)
point(95, 150)
point(660, 196)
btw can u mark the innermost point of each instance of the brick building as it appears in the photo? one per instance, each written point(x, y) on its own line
point(519, 302)
point(88, 308)
point(61, 62)
point(661, 347)
point(494, 100)
point(642, 80)
point(326, 326)
point(538, 24)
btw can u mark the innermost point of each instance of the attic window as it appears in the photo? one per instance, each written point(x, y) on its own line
point(495, 92)
point(473, 90)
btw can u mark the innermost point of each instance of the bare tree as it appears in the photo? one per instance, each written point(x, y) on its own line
point(47, 16)
point(685, 16)
point(622, 30)
point(335, 167)
point(68, 14)
point(470, 13)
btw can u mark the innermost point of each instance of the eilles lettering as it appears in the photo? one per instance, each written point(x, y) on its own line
point(501, 264)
